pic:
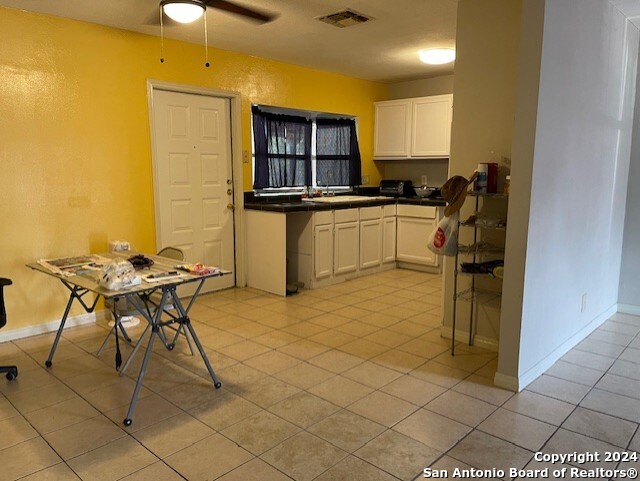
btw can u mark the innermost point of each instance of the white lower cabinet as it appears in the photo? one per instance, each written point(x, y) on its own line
point(345, 247)
point(370, 243)
point(370, 237)
point(388, 234)
point(315, 249)
point(414, 225)
point(323, 251)
point(347, 243)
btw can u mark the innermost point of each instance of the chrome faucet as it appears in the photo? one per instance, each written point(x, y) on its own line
point(329, 177)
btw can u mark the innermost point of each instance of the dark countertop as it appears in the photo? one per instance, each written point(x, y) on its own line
point(436, 202)
point(297, 205)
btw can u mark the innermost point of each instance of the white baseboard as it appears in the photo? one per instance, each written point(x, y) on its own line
point(523, 380)
point(418, 267)
point(463, 336)
point(507, 382)
point(51, 326)
point(629, 309)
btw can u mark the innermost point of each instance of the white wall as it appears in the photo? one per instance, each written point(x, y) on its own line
point(629, 289)
point(579, 165)
point(484, 99)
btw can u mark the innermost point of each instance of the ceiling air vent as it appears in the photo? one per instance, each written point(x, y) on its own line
point(345, 18)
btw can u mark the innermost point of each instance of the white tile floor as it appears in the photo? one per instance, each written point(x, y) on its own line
point(350, 382)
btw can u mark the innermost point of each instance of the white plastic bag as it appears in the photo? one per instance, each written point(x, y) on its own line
point(119, 275)
point(444, 238)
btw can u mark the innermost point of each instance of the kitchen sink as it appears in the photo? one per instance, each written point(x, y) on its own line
point(337, 199)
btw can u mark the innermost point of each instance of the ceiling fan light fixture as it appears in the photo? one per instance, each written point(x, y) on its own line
point(437, 56)
point(183, 11)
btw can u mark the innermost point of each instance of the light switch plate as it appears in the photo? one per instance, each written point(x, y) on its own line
point(365, 180)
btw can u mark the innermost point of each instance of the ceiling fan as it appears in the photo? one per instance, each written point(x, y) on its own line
point(187, 11)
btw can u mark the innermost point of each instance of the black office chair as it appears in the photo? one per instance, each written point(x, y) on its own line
point(12, 371)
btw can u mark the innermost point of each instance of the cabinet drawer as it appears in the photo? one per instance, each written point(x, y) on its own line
point(421, 211)
point(389, 210)
point(323, 217)
point(346, 215)
point(371, 213)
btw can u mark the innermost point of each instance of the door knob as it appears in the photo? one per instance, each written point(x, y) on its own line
point(229, 192)
point(230, 206)
point(228, 181)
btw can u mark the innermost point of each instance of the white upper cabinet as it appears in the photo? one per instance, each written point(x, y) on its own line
point(392, 129)
point(431, 126)
point(413, 128)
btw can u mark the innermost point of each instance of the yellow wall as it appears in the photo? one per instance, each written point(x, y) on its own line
point(75, 156)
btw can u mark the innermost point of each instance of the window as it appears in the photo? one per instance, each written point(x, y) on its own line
point(292, 151)
point(282, 148)
point(337, 153)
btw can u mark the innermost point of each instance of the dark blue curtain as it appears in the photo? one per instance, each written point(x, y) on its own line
point(282, 147)
point(338, 159)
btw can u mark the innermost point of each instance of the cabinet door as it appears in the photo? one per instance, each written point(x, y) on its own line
point(392, 129)
point(370, 243)
point(345, 248)
point(412, 241)
point(431, 127)
point(322, 250)
point(388, 239)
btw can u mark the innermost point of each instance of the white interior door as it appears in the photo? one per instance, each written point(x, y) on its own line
point(193, 176)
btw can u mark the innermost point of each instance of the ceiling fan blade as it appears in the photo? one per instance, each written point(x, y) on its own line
point(236, 9)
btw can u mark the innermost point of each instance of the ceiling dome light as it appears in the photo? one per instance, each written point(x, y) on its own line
point(183, 11)
point(437, 56)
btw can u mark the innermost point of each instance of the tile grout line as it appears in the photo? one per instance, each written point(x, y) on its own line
point(378, 389)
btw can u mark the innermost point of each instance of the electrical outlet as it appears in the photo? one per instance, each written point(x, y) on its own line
point(365, 180)
point(583, 306)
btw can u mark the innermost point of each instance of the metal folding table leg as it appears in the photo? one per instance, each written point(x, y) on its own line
point(76, 293)
point(150, 320)
point(49, 360)
point(147, 355)
point(184, 320)
point(216, 382)
point(124, 368)
point(154, 323)
point(116, 324)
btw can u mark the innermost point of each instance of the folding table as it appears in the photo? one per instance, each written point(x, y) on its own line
point(85, 281)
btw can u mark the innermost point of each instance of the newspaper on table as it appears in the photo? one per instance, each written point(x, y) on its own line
point(72, 266)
